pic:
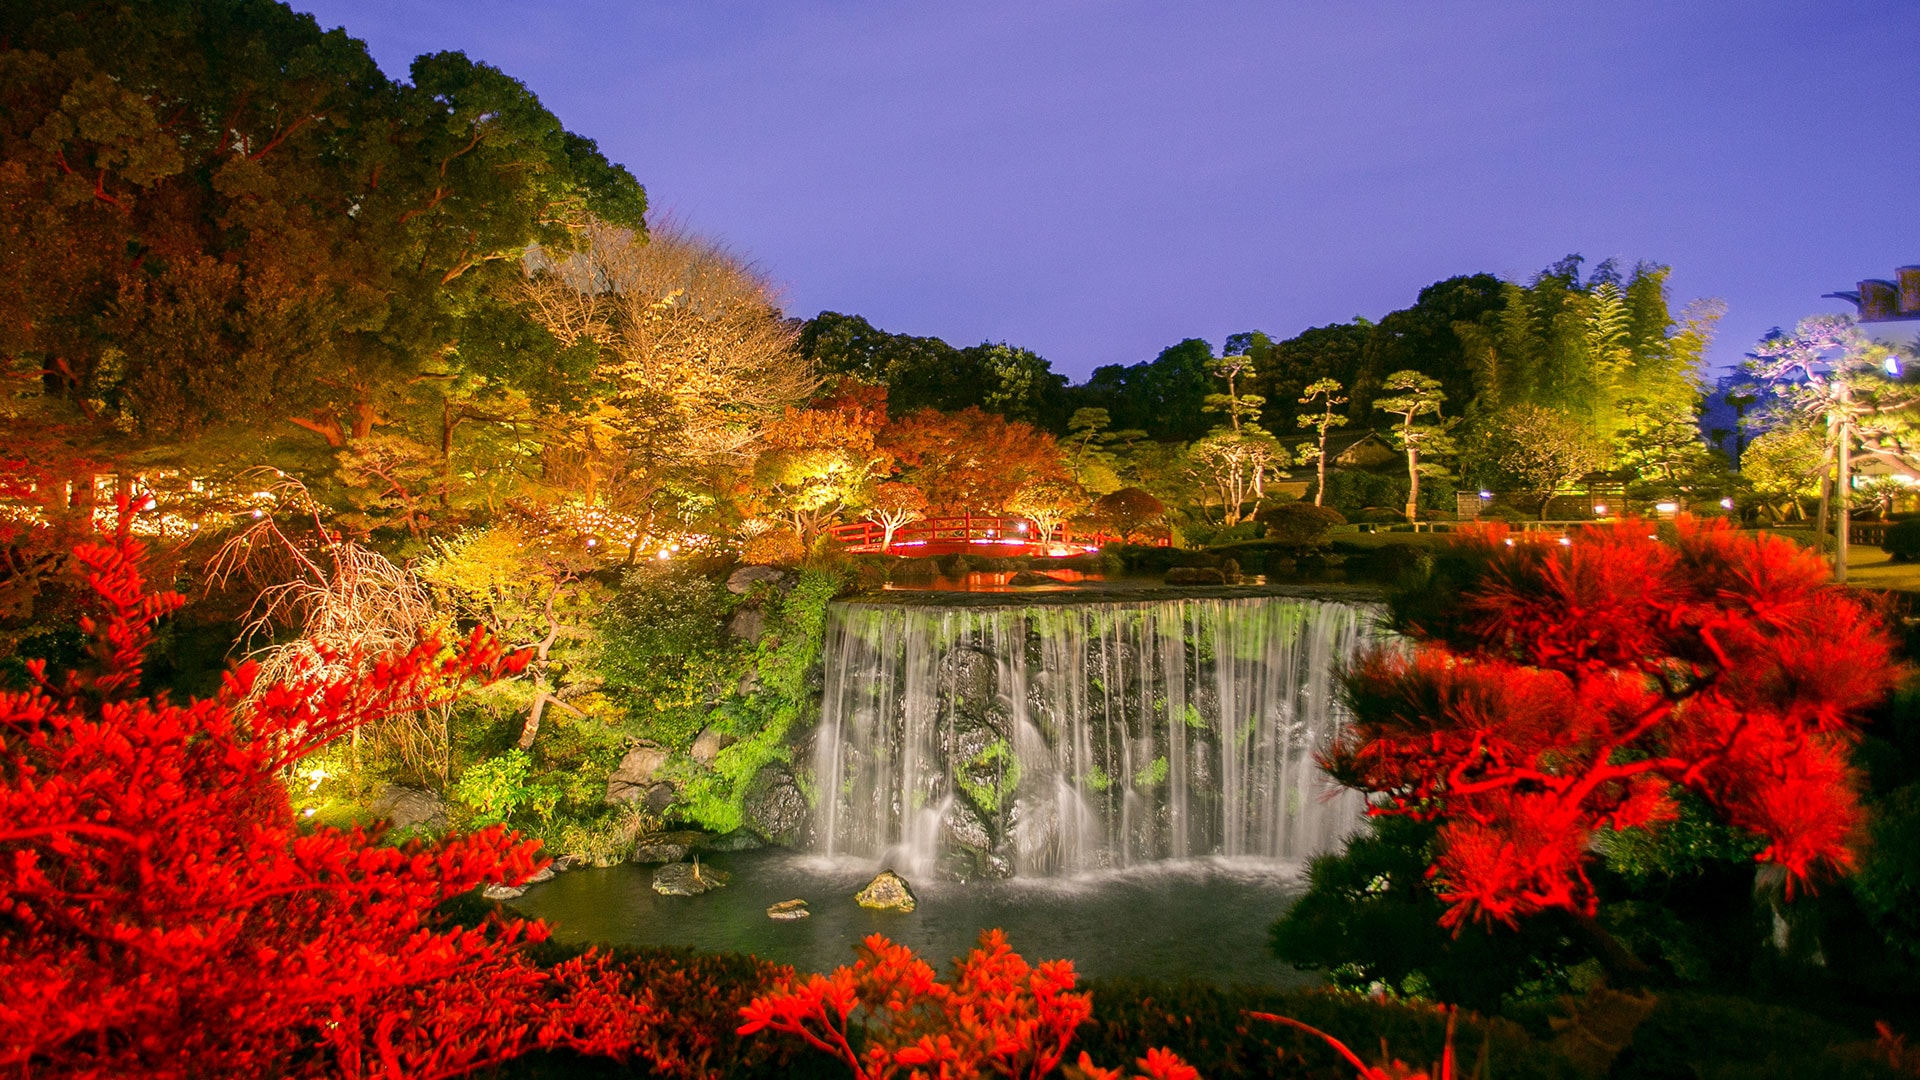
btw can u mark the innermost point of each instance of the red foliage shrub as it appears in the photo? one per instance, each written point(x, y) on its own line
point(1553, 690)
point(999, 1016)
point(162, 914)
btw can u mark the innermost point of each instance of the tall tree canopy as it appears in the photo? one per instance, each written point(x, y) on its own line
point(215, 214)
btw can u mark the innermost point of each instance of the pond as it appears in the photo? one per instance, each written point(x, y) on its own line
point(1195, 918)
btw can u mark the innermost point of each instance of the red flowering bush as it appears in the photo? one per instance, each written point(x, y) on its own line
point(999, 1016)
point(1556, 689)
point(162, 914)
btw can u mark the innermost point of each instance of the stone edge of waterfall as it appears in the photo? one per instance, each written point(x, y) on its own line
point(1120, 592)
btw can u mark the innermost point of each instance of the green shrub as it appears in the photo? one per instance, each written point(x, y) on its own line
point(1299, 522)
point(1903, 540)
point(1369, 922)
point(498, 786)
point(1209, 1027)
point(785, 666)
point(665, 651)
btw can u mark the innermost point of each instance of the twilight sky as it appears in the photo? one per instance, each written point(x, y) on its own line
point(1097, 180)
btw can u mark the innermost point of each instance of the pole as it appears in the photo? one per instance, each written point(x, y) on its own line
point(1844, 489)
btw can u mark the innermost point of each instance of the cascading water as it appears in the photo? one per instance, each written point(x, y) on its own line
point(1050, 740)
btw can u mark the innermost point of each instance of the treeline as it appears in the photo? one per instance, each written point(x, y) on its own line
point(1600, 370)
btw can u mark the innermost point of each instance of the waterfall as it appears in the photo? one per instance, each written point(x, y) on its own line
point(1038, 740)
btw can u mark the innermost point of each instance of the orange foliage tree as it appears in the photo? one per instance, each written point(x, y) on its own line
point(163, 914)
point(971, 460)
point(1553, 690)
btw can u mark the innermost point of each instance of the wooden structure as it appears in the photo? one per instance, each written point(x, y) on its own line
point(977, 534)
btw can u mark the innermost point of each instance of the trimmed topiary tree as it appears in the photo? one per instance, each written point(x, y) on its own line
point(1299, 522)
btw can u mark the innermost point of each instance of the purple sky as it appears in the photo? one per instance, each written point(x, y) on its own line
point(1096, 181)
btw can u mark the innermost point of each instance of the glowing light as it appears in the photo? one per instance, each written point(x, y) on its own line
point(1486, 494)
point(1726, 504)
point(1600, 508)
point(592, 542)
point(1893, 366)
point(665, 554)
point(1566, 541)
point(1509, 541)
point(308, 812)
point(314, 776)
point(259, 514)
point(1667, 507)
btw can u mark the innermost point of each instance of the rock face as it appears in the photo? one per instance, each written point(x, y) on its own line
point(637, 774)
point(775, 808)
point(708, 744)
point(409, 807)
point(886, 892)
point(742, 581)
point(669, 847)
point(788, 911)
point(749, 624)
point(687, 879)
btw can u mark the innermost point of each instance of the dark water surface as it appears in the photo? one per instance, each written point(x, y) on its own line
point(1199, 918)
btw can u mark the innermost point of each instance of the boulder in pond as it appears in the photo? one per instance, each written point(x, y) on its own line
point(788, 911)
point(888, 891)
point(503, 892)
point(687, 879)
point(1026, 578)
point(1196, 575)
point(916, 569)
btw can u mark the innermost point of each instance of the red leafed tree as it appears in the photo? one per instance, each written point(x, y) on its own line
point(999, 1016)
point(163, 915)
point(1554, 689)
point(970, 460)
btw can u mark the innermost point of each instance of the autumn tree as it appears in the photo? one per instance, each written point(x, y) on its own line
point(1411, 396)
point(1129, 510)
point(816, 462)
point(1553, 691)
point(1540, 450)
point(695, 361)
point(970, 460)
point(1322, 397)
point(532, 586)
point(895, 505)
point(167, 916)
point(1048, 504)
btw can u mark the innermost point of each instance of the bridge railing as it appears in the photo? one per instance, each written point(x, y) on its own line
point(962, 530)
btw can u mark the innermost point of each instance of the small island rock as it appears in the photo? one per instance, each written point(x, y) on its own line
point(687, 879)
point(788, 911)
point(886, 892)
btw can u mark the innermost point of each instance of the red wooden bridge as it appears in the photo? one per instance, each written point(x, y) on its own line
point(977, 534)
